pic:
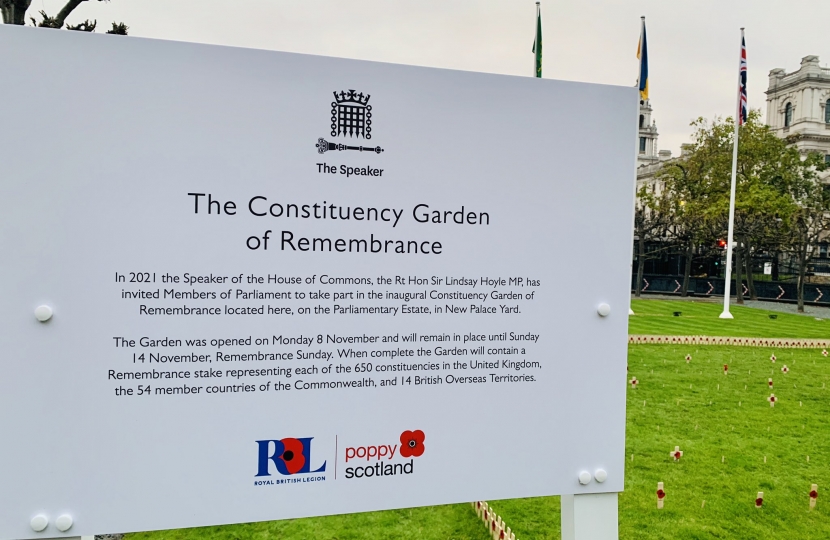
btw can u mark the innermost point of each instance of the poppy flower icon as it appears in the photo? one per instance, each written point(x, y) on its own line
point(412, 443)
point(292, 455)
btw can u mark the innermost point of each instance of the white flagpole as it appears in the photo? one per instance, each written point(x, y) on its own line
point(728, 276)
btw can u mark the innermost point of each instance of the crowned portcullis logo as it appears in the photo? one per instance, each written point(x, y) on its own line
point(351, 116)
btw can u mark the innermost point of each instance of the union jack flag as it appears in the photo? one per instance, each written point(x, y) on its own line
point(743, 105)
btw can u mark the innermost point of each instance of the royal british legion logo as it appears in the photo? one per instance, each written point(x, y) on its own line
point(351, 116)
point(289, 457)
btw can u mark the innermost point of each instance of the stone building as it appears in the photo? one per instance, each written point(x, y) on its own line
point(649, 158)
point(798, 106)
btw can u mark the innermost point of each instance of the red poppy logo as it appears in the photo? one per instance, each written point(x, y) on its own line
point(412, 443)
point(292, 455)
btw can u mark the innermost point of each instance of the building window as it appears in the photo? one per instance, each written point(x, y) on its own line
point(827, 159)
point(642, 145)
point(822, 251)
point(788, 114)
point(827, 112)
point(643, 119)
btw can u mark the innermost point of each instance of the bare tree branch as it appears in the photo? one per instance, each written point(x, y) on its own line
point(47, 22)
point(85, 26)
point(67, 9)
point(119, 29)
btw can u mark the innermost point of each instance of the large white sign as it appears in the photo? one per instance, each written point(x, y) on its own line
point(285, 285)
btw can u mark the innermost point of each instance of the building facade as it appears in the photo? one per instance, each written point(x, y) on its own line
point(798, 106)
point(647, 149)
point(649, 158)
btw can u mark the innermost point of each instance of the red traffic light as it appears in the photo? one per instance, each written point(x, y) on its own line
point(721, 243)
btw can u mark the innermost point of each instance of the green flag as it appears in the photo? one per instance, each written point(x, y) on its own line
point(537, 43)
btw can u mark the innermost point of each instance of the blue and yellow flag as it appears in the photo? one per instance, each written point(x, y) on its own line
point(642, 54)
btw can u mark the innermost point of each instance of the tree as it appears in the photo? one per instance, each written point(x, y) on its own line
point(810, 218)
point(650, 221)
point(14, 12)
point(691, 191)
point(774, 184)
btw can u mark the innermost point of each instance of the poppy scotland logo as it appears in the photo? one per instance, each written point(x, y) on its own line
point(378, 460)
point(289, 456)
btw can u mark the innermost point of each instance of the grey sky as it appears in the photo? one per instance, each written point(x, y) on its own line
point(693, 45)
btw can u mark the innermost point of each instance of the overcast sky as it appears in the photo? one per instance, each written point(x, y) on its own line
point(693, 45)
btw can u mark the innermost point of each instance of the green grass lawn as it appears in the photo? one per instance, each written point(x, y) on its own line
point(656, 317)
point(733, 422)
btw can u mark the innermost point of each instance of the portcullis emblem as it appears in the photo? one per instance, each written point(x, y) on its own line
point(351, 116)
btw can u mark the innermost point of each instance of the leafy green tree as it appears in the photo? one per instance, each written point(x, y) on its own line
point(810, 218)
point(780, 202)
point(650, 224)
point(14, 12)
point(767, 168)
point(691, 193)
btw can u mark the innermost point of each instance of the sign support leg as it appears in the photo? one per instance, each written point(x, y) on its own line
point(590, 517)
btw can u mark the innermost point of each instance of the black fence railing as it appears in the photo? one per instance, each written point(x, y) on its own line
point(814, 293)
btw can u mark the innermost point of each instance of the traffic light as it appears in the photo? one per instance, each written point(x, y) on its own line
point(721, 243)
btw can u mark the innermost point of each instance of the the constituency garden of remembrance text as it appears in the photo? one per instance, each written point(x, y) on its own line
point(194, 365)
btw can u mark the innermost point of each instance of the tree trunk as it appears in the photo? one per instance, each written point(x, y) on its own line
point(802, 271)
point(641, 263)
point(750, 279)
point(14, 11)
point(687, 270)
point(739, 286)
point(67, 9)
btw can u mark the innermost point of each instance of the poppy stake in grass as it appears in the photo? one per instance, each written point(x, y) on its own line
point(772, 399)
point(824, 352)
point(725, 369)
point(676, 454)
point(660, 495)
point(813, 495)
point(634, 382)
point(785, 369)
point(769, 383)
point(759, 500)
point(688, 358)
point(772, 358)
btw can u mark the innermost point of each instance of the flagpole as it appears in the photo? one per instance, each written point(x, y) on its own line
point(640, 48)
point(536, 39)
point(729, 240)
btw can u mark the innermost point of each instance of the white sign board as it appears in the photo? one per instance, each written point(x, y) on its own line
point(286, 285)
